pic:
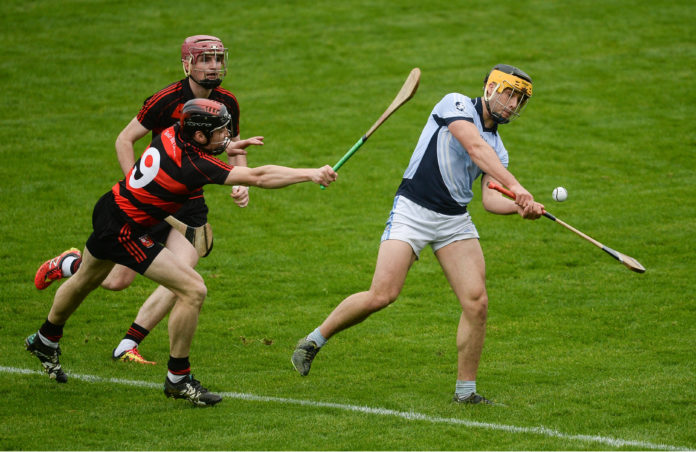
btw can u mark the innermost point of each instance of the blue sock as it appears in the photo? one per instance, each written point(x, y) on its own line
point(317, 338)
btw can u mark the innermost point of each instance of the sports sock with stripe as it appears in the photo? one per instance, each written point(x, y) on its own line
point(50, 334)
point(132, 339)
point(69, 265)
point(178, 369)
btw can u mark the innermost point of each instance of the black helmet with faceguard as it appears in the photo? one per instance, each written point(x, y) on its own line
point(207, 116)
point(509, 82)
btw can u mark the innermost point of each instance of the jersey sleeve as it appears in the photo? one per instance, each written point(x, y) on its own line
point(209, 170)
point(151, 114)
point(148, 114)
point(454, 107)
point(502, 153)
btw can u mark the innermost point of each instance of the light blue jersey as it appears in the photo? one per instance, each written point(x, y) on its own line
point(440, 175)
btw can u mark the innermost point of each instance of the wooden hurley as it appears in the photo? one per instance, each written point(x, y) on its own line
point(628, 261)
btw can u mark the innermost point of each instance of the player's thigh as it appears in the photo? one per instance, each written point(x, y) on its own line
point(92, 271)
point(182, 248)
point(394, 259)
point(464, 266)
point(175, 274)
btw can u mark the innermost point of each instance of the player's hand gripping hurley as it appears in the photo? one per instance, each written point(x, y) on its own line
point(407, 91)
point(628, 261)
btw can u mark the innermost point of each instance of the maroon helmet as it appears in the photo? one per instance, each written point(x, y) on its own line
point(207, 116)
point(206, 49)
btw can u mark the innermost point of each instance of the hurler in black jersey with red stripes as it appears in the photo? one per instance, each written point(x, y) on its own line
point(178, 163)
point(204, 60)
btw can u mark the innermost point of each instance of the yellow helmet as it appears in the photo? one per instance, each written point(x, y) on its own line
point(507, 77)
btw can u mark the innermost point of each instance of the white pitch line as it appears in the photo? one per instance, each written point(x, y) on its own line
point(408, 415)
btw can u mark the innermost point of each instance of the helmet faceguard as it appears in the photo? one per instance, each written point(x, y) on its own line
point(207, 116)
point(512, 90)
point(210, 54)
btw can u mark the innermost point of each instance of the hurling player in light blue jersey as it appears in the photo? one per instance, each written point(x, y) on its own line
point(459, 143)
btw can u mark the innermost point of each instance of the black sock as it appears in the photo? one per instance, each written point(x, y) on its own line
point(178, 368)
point(136, 333)
point(51, 331)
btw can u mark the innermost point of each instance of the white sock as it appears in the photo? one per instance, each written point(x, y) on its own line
point(46, 341)
point(124, 345)
point(66, 265)
point(317, 337)
point(465, 388)
point(175, 378)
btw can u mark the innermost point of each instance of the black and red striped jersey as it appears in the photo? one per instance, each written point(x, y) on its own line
point(163, 108)
point(165, 177)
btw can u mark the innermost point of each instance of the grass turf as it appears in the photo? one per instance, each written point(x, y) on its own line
point(576, 343)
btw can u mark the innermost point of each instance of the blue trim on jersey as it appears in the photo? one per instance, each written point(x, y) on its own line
point(448, 121)
point(427, 187)
point(441, 173)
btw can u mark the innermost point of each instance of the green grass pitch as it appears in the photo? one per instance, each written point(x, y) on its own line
point(585, 354)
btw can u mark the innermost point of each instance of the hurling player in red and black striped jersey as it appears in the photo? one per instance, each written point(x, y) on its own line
point(204, 59)
point(177, 164)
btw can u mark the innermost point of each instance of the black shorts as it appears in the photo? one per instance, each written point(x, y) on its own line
point(116, 240)
point(194, 213)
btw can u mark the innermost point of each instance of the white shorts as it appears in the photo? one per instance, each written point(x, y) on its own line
point(418, 226)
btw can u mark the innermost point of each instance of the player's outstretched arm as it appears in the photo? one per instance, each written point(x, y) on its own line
point(274, 176)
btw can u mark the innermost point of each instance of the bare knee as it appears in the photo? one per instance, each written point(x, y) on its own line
point(381, 299)
point(119, 278)
point(476, 308)
point(195, 294)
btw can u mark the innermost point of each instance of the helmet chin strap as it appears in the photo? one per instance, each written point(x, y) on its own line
point(218, 150)
point(208, 83)
point(497, 117)
point(223, 145)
